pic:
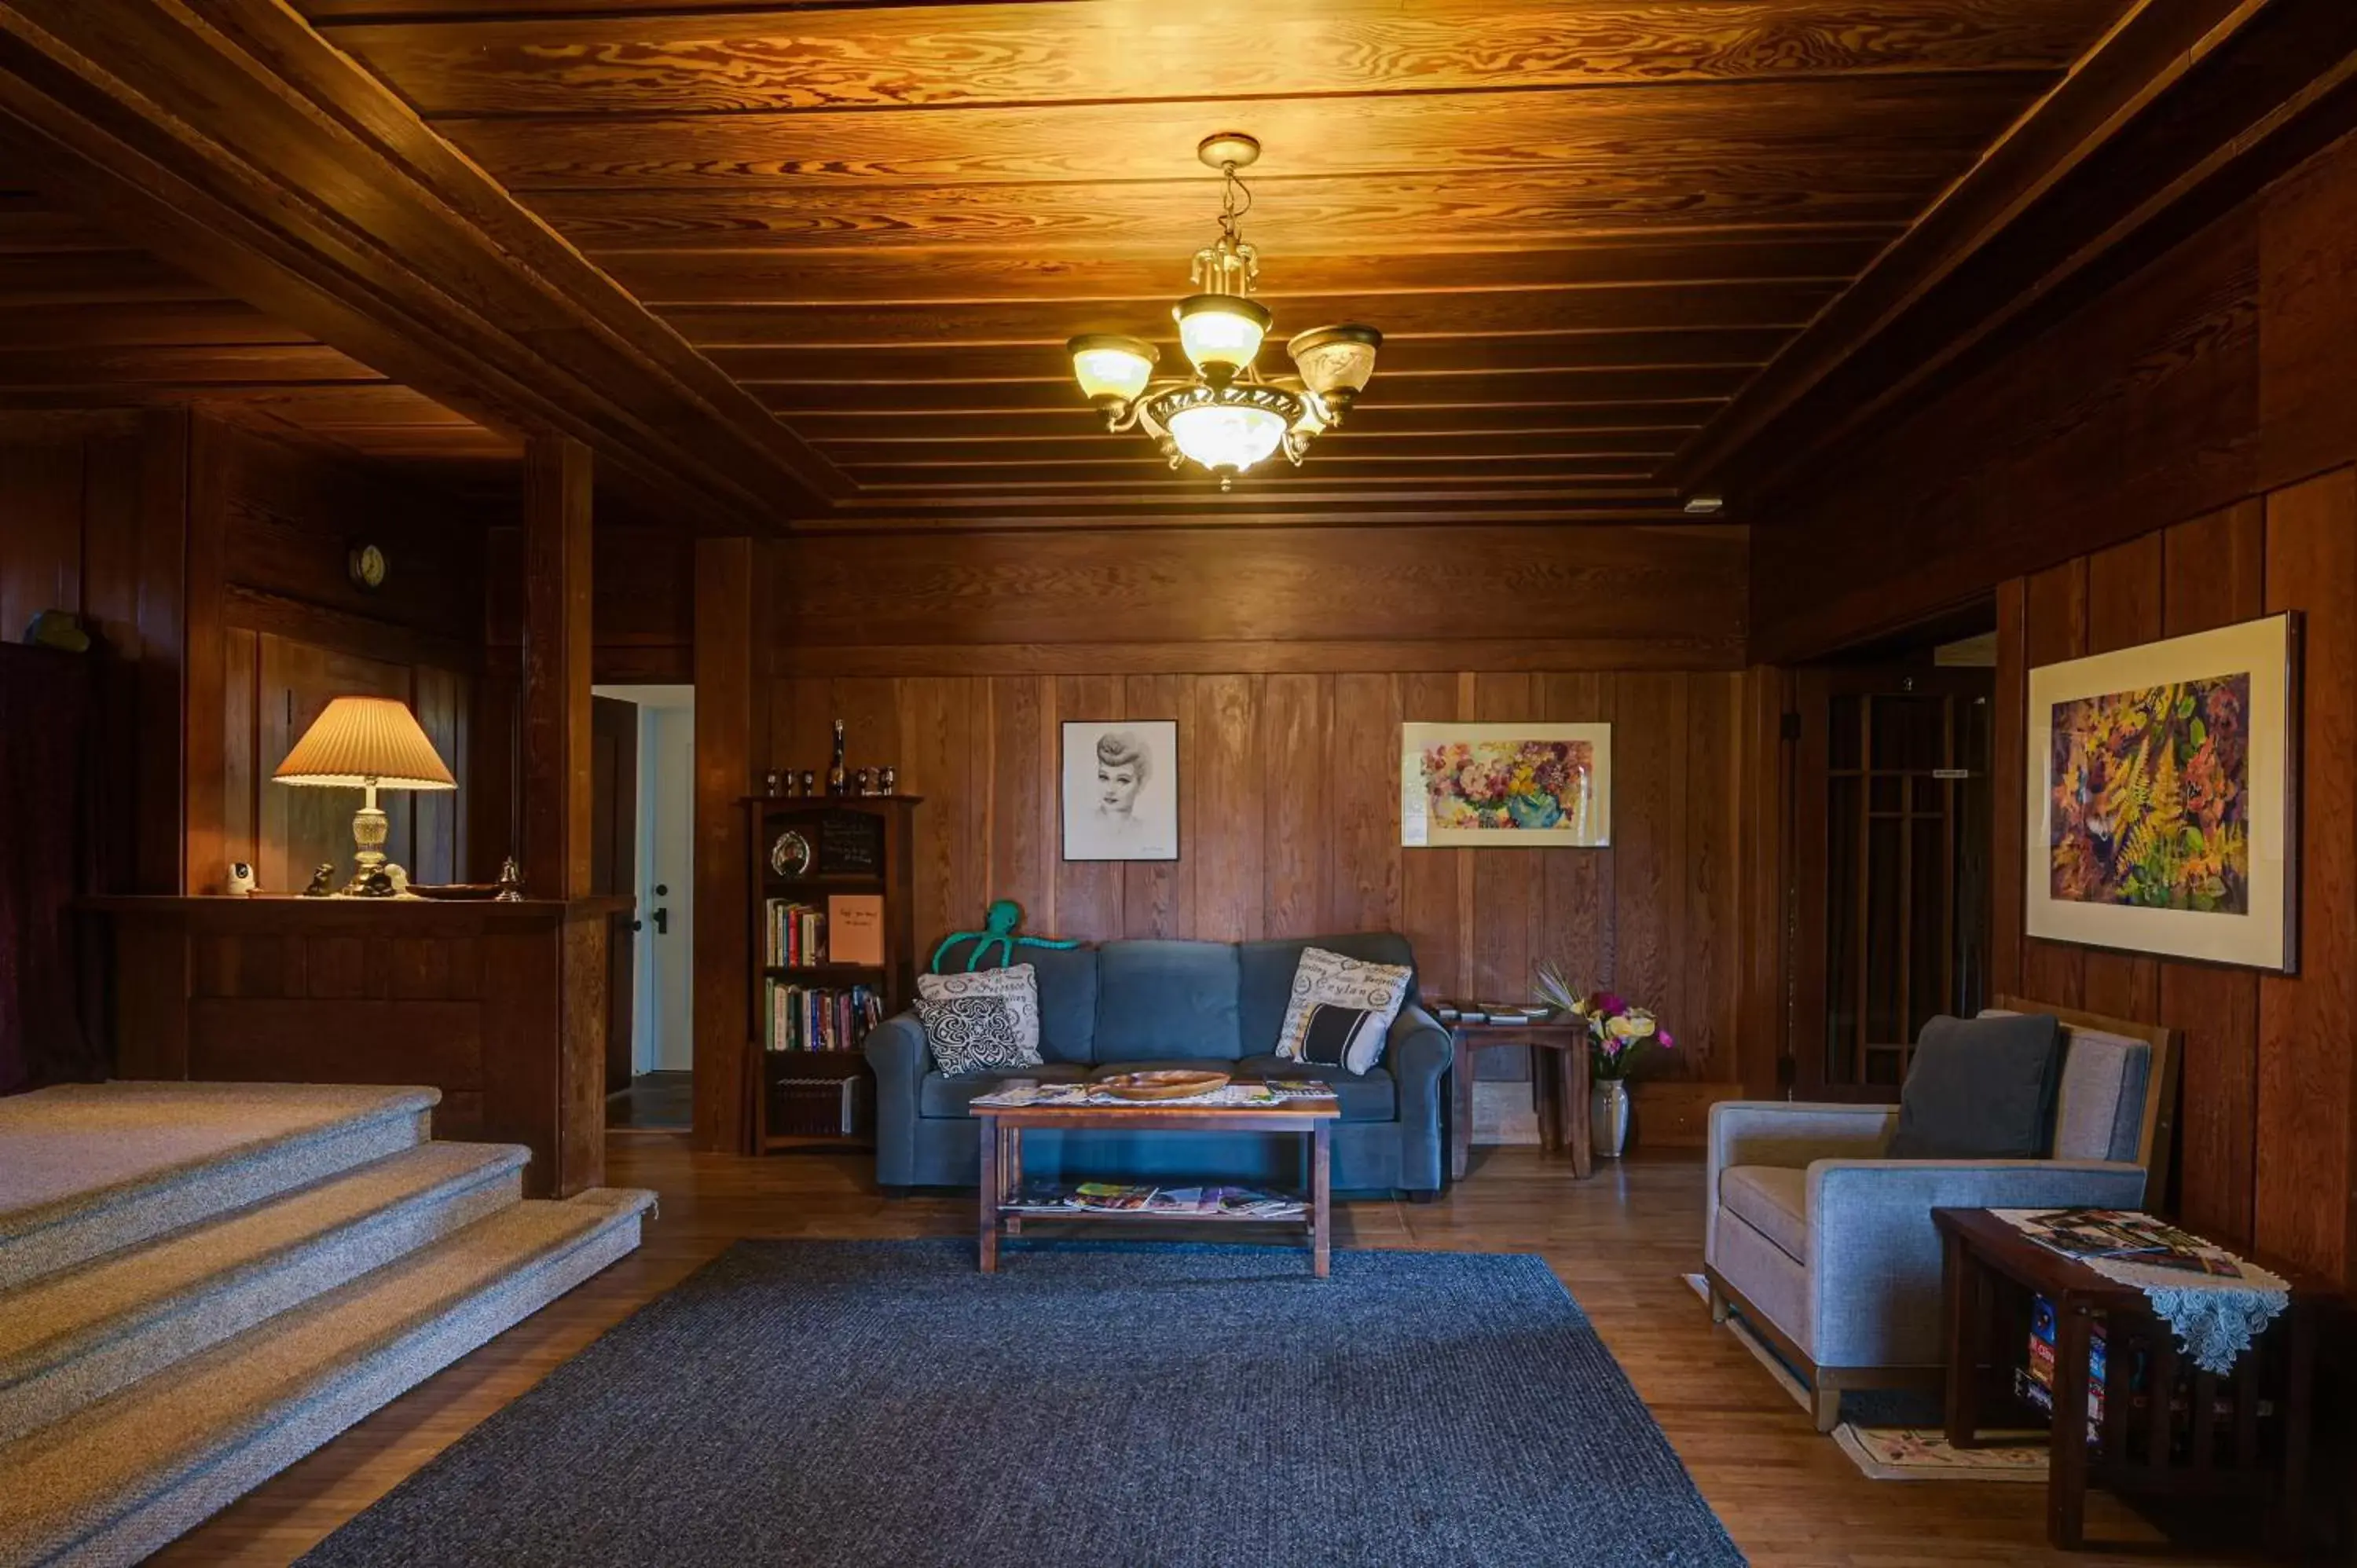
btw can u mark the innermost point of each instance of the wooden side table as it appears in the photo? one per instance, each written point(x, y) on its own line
point(1558, 1077)
point(1992, 1270)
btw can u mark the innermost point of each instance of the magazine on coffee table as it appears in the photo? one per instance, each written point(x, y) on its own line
point(1240, 1095)
point(1114, 1197)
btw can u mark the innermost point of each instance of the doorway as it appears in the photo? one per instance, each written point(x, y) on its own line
point(643, 813)
point(1892, 813)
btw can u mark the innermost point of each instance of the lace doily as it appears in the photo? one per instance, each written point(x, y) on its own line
point(2214, 1317)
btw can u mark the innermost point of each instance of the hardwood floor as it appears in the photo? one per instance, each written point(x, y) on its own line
point(1619, 1240)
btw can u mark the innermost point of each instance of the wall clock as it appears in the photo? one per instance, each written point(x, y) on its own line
point(366, 567)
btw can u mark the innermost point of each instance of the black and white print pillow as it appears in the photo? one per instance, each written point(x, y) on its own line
point(972, 1034)
point(1327, 980)
point(1017, 985)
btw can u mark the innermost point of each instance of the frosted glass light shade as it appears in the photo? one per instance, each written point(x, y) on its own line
point(1336, 363)
point(1221, 332)
point(1112, 368)
point(362, 741)
point(1227, 435)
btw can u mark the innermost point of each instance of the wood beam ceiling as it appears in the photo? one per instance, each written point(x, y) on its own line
point(233, 139)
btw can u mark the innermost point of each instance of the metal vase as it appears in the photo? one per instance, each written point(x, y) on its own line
point(1607, 1119)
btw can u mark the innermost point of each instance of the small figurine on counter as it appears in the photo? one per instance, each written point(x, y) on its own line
point(773, 783)
point(862, 783)
point(400, 880)
point(322, 881)
point(240, 880)
point(809, 783)
point(887, 779)
point(511, 882)
point(377, 884)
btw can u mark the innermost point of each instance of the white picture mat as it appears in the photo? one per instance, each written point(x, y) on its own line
point(1416, 830)
point(1152, 831)
point(2263, 649)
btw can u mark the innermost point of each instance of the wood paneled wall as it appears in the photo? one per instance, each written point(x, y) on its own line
point(2224, 370)
point(273, 525)
point(1289, 658)
point(2169, 457)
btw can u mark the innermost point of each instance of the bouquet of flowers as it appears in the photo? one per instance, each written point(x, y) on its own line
point(1617, 1027)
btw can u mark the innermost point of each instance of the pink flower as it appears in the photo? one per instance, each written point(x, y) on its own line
point(1663, 1036)
point(1608, 1002)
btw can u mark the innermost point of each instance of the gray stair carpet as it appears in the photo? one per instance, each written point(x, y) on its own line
point(68, 1339)
point(118, 1479)
point(86, 1169)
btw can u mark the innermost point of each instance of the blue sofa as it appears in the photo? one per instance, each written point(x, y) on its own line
point(1127, 1005)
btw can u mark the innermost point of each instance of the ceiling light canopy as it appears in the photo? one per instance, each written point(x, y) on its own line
point(1227, 417)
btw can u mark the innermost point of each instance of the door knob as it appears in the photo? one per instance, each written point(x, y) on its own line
point(662, 922)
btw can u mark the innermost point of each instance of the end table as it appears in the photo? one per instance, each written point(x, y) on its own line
point(1992, 1269)
point(1558, 1077)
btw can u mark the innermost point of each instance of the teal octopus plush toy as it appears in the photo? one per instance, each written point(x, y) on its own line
point(998, 931)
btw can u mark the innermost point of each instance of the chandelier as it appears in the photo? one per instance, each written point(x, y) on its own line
point(1227, 416)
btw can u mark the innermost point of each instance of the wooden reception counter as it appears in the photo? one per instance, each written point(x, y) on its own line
point(501, 1006)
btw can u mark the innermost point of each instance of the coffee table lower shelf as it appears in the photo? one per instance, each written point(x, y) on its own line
point(1004, 1211)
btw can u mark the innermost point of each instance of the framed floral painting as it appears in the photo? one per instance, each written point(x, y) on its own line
point(1505, 785)
point(2162, 812)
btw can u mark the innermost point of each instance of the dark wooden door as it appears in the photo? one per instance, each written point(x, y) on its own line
point(614, 861)
point(1891, 819)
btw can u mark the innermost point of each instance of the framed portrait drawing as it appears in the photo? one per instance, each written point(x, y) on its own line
point(1121, 790)
point(2163, 816)
point(1505, 785)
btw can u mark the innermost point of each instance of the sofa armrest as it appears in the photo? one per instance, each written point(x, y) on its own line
point(895, 1049)
point(1875, 1257)
point(1418, 1050)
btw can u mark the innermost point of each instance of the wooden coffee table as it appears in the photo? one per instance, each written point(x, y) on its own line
point(1002, 1157)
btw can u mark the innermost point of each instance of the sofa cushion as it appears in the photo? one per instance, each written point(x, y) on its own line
point(942, 1095)
point(1773, 1200)
point(1068, 999)
point(1265, 977)
point(1980, 1090)
point(1342, 1009)
point(1168, 1000)
point(1371, 1096)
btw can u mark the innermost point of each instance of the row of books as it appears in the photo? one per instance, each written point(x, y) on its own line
point(797, 933)
point(1449, 1011)
point(808, 1018)
point(1110, 1197)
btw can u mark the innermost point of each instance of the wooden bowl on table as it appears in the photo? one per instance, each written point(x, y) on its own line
point(1169, 1083)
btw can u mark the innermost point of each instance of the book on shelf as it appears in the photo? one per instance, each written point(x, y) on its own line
point(796, 935)
point(855, 929)
point(819, 1018)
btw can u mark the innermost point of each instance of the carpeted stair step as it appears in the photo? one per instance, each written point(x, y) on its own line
point(69, 1339)
point(114, 1482)
point(89, 1168)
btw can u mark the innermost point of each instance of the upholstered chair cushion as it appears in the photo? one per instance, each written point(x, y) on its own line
point(1981, 1089)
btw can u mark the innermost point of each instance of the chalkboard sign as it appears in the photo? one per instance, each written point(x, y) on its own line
point(851, 844)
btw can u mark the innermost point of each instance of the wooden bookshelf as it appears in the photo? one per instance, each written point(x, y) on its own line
point(860, 844)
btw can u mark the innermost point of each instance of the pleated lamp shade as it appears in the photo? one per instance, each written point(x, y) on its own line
point(359, 741)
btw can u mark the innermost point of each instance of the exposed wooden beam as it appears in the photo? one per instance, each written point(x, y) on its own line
point(234, 139)
point(555, 692)
point(2185, 100)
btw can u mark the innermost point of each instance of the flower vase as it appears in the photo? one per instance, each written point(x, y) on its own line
point(1607, 1119)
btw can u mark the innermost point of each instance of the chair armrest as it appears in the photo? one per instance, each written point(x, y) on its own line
point(895, 1048)
point(1785, 1132)
point(1418, 1050)
point(1875, 1257)
point(1791, 1133)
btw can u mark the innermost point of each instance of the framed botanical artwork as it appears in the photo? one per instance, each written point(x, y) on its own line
point(2163, 816)
point(1505, 785)
point(1121, 790)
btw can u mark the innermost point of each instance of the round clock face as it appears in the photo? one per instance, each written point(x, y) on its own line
point(368, 566)
point(791, 856)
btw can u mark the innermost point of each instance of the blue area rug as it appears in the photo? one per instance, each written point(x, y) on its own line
point(850, 1403)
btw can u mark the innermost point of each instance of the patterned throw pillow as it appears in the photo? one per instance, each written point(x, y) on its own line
point(972, 1034)
point(1330, 984)
point(1017, 985)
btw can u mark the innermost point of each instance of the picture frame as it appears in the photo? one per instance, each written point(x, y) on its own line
point(2162, 806)
point(1505, 785)
point(1120, 785)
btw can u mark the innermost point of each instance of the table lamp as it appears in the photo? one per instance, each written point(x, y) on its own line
point(367, 743)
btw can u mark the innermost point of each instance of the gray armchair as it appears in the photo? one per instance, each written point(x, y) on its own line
point(1828, 1251)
